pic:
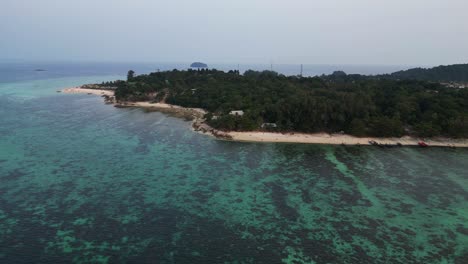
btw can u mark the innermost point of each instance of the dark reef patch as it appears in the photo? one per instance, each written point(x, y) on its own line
point(13, 175)
point(279, 196)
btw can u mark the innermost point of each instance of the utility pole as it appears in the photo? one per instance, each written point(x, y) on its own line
point(301, 70)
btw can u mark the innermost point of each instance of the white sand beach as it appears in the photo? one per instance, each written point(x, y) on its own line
point(160, 105)
point(338, 139)
point(76, 90)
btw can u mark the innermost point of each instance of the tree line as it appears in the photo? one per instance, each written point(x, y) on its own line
point(354, 104)
point(450, 73)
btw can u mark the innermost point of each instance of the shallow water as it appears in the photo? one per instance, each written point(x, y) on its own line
point(81, 181)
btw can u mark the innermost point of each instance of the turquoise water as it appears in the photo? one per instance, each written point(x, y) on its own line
point(84, 182)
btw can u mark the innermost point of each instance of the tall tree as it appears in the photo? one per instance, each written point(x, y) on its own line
point(130, 75)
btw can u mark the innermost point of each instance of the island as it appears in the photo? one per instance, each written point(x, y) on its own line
point(198, 65)
point(338, 108)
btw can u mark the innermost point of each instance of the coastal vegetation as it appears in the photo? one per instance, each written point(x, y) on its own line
point(337, 103)
point(450, 73)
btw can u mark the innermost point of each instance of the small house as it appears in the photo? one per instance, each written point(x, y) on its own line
point(269, 125)
point(237, 113)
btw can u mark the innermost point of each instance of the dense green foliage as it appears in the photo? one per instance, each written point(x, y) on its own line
point(451, 73)
point(354, 104)
point(130, 75)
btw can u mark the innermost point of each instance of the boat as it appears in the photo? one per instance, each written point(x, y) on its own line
point(423, 144)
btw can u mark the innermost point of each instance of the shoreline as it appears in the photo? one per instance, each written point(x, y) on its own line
point(342, 139)
point(79, 90)
point(199, 125)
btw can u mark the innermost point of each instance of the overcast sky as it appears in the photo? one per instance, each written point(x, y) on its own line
point(394, 32)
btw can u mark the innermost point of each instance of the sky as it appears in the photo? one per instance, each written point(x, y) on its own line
point(383, 32)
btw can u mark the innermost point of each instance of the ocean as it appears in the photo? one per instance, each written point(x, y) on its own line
point(85, 182)
point(10, 72)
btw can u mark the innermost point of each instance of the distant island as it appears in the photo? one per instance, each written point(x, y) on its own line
point(198, 65)
point(341, 104)
point(39, 70)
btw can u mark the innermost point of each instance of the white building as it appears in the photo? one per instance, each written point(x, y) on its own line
point(237, 113)
point(269, 125)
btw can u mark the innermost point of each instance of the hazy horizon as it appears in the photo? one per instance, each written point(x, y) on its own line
point(336, 32)
point(210, 63)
